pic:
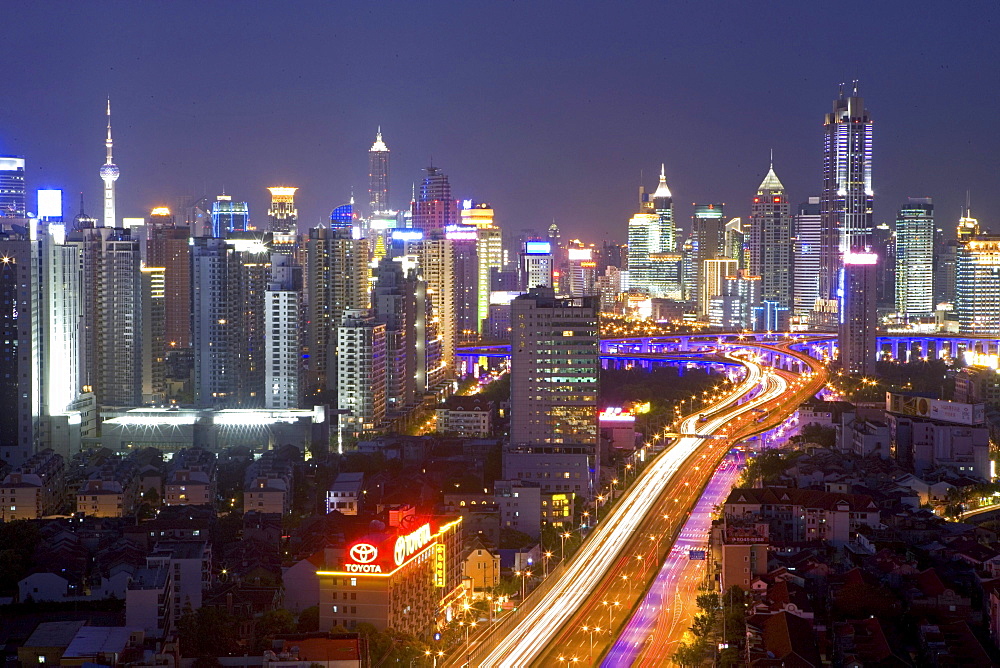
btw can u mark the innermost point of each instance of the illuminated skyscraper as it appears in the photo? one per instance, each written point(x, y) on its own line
point(489, 249)
point(857, 290)
point(282, 216)
point(806, 256)
point(109, 174)
point(537, 264)
point(361, 372)
point(378, 175)
point(977, 285)
point(336, 280)
point(12, 197)
point(771, 241)
point(434, 209)
point(555, 363)
point(229, 216)
point(846, 201)
point(281, 333)
point(663, 205)
point(168, 246)
point(708, 242)
point(915, 258)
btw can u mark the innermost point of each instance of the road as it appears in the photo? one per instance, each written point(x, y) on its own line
point(623, 536)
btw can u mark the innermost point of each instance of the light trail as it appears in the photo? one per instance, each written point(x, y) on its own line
point(588, 568)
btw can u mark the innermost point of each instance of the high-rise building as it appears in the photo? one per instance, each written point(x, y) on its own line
point(537, 264)
point(737, 246)
point(395, 304)
point(977, 285)
point(806, 258)
point(858, 312)
point(282, 216)
point(281, 333)
point(229, 278)
point(20, 348)
point(643, 240)
point(361, 372)
point(581, 270)
point(708, 242)
point(555, 363)
point(112, 314)
point(465, 251)
point(489, 250)
point(713, 280)
point(229, 216)
point(378, 175)
point(883, 244)
point(109, 174)
point(336, 281)
point(915, 258)
point(434, 209)
point(846, 201)
point(663, 206)
point(168, 246)
point(154, 350)
point(12, 195)
point(436, 256)
point(771, 240)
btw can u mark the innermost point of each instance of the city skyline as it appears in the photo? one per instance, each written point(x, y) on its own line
point(599, 132)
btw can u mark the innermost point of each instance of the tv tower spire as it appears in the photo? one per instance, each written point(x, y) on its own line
point(109, 174)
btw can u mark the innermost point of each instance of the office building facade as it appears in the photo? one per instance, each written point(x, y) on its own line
point(914, 251)
point(771, 233)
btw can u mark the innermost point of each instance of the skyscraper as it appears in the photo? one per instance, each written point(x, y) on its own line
point(12, 197)
point(168, 246)
point(229, 216)
point(806, 255)
point(846, 201)
point(713, 280)
point(281, 333)
point(554, 373)
point(708, 242)
point(378, 175)
point(915, 258)
point(361, 372)
point(20, 348)
point(434, 209)
point(977, 285)
point(336, 280)
point(489, 250)
point(109, 174)
point(771, 240)
point(663, 206)
point(282, 216)
point(858, 312)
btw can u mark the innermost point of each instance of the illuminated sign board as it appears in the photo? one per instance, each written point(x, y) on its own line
point(860, 258)
point(439, 565)
point(460, 233)
point(407, 235)
point(537, 247)
point(588, 265)
point(935, 409)
point(973, 358)
point(579, 253)
point(615, 415)
point(363, 554)
point(50, 204)
point(411, 542)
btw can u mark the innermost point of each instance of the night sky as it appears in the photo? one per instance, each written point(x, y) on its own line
point(547, 110)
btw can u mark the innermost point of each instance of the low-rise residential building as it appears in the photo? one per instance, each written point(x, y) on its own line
point(923, 445)
point(795, 515)
point(191, 481)
point(101, 498)
point(520, 506)
point(466, 416)
point(346, 493)
point(34, 489)
point(46, 644)
point(482, 567)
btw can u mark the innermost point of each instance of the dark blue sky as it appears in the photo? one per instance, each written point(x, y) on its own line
point(545, 109)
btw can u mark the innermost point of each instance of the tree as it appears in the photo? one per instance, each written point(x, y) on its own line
point(308, 620)
point(272, 623)
point(208, 632)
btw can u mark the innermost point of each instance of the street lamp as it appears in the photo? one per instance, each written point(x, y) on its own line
point(562, 545)
point(611, 605)
point(548, 555)
point(436, 654)
point(591, 630)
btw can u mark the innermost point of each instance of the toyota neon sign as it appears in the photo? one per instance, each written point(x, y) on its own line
point(364, 554)
point(411, 542)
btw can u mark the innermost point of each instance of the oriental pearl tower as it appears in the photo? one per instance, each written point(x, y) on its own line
point(109, 174)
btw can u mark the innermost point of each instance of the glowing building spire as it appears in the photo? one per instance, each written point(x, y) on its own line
point(109, 174)
point(378, 175)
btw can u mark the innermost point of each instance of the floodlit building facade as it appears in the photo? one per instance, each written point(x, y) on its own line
point(915, 258)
